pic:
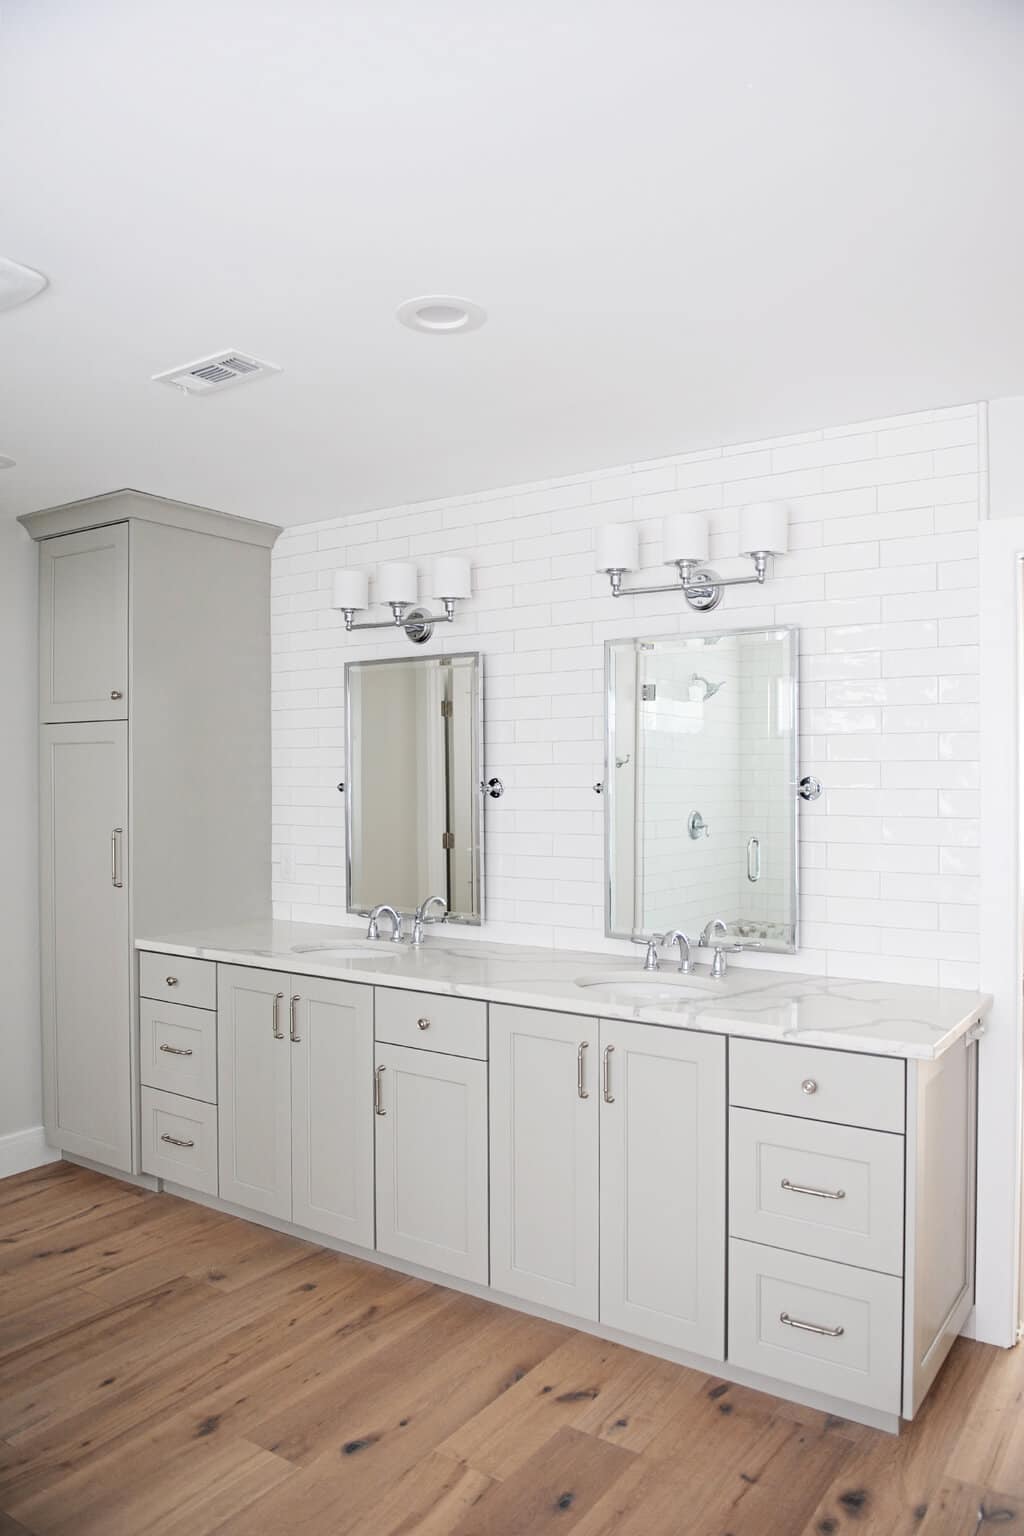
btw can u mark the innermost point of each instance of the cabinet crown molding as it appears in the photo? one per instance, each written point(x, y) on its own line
point(141, 506)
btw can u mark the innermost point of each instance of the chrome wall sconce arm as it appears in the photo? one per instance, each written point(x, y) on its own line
point(763, 532)
point(417, 622)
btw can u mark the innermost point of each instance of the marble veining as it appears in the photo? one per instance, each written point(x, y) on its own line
point(876, 1017)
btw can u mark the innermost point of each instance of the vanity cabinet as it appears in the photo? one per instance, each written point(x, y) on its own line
point(431, 1137)
point(294, 1070)
point(608, 1173)
point(663, 1185)
point(154, 707)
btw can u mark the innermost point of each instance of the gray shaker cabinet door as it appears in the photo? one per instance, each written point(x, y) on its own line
point(83, 625)
point(86, 941)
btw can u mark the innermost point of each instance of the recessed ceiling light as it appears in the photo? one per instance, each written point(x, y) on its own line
point(441, 313)
point(18, 284)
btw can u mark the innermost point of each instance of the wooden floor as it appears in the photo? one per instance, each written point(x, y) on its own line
point(171, 1371)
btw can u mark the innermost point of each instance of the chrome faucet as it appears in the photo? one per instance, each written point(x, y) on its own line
point(677, 936)
point(421, 917)
point(373, 931)
point(714, 930)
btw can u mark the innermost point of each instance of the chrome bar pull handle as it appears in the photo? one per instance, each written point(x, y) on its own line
point(116, 872)
point(276, 1025)
point(606, 1072)
point(582, 1091)
point(809, 1189)
point(378, 1101)
point(293, 1026)
point(794, 1322)
point(177, 1050)
point(176, 1141)
point(754, 860)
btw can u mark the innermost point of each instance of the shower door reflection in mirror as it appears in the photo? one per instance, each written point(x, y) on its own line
point(700, 785)
point(413, 812)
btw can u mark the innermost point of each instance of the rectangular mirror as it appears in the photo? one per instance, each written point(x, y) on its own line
point(700, 785)
point(413, 812)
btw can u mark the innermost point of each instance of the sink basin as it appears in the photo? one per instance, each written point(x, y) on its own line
point(653, 988)
point(381, 949)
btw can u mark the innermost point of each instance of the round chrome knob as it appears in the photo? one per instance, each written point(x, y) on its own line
point(115, 693)
point(422, 1023)
point(172, 981)
point(809, 1085)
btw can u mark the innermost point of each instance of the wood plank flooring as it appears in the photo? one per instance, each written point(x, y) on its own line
point(171, 1371)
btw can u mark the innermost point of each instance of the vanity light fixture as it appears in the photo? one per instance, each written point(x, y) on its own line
point(763, 532)
point(397, 586)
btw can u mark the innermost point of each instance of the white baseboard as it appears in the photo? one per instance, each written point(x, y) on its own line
point(22, 1150)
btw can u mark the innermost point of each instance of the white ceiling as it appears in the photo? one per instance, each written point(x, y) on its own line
point(690, 223)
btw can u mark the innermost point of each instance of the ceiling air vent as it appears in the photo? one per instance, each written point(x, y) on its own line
point(212, 374)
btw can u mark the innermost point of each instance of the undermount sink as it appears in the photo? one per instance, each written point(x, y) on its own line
point(366, 949)
point(653, 987)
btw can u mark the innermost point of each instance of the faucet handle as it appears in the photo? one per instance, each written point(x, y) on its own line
point(373, 930)
point(651, 957)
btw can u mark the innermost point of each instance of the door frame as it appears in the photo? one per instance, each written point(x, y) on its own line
point(1001, 913)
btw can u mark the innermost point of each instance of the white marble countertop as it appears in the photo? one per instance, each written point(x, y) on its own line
point(878, 1017)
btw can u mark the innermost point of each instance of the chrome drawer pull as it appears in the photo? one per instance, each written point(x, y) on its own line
point(809, 1189)
point(176, 1141)
point(794, 1322)
point(378, 1101)
point(581, 1089)
point(275, 1022)
point(809, 1085)
point(293, 1027)
point(172, 981)
point(422, 1023)
point(609, 1097)
point(116, 876)
point(177, 1050)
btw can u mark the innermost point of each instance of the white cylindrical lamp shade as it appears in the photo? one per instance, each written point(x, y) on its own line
point(351, 590)
point(618, 547)
point(684, 536)
point(449, 577)
point(398, 582)
point(764, 528)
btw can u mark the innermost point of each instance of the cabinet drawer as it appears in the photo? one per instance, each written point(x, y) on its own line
point(831, 1191)
point(179, 1140)
point(820, 1325)
point(455, 1026)
point(842, 1086)
point(178, 1049)
point(180, 980)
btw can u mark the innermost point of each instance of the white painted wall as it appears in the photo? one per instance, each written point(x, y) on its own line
point(21, 1141)
point(882, 581)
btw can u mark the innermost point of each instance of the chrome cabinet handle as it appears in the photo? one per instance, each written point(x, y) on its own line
point(177, 1050)
point(293, 1026)
point(606, 1072)
point(809, 1189)
point(794, 1322)
point(378, 1102)
point(115, 693)
point(172, 981)
point(754, 860)
point(116, 878)
point(809, 1085)
point(276, 1025)
point(176, 1141)
point(581, 1089)
point(422, 1023)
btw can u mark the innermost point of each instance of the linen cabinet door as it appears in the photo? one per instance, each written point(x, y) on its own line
point(254, 1089)
point(86, 941)
point(83, 625)
point(431, 1119)
point(663, 1135)
point(544, 1157)
point(331, 1031)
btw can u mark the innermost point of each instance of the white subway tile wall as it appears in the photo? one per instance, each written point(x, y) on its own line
point(882, 582)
